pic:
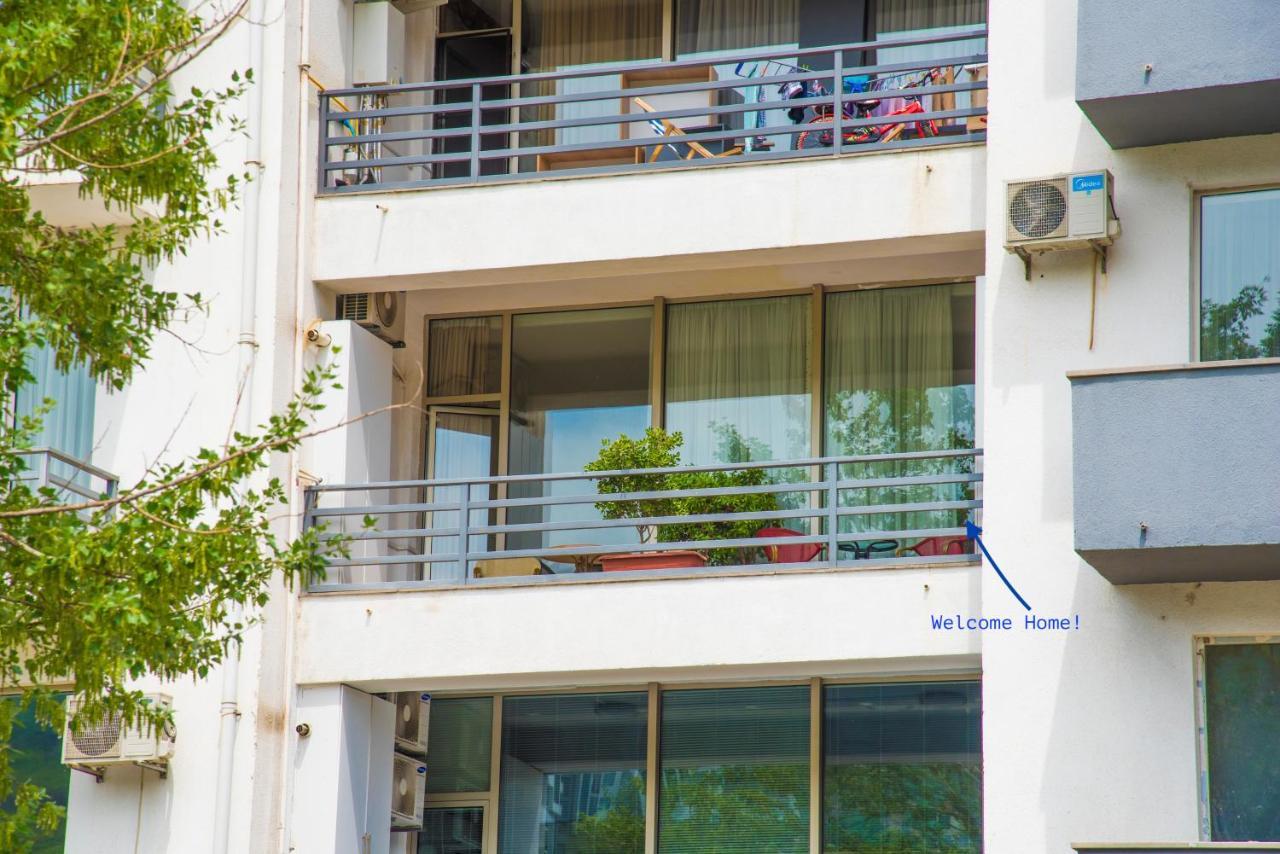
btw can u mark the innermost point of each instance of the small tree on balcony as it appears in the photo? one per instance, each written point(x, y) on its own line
point(146, 582)
point(658, 449)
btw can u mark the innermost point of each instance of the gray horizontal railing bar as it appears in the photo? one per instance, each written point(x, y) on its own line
point(911, 507)
point(806, 462)
point(741, 58)
point(382, 509)
point(55, 454)
point(580, 498)
point(844, 537)
point(645, 142)
point(644, 548)
point(555, 579)
point(911, 480)
point(393, 534)
point(888, 70)
point(645, 521)
point(657, 115)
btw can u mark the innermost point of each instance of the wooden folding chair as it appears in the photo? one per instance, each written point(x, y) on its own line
point(671, 130)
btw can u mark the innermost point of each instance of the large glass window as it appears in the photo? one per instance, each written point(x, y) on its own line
point(902, 768)
point(737, 379)
point(459, 745)
point(1240, 275)
point(573, 774)
point(451, 830)
point(1242, 723)
point(577, 378)
point(735, 771)
point(35, 756)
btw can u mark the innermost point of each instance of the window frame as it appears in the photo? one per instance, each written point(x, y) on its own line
point(654, 691)
point(1201, 642)
point(1198, 196)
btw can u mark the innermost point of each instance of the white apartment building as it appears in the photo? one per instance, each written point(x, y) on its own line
point(780, 228)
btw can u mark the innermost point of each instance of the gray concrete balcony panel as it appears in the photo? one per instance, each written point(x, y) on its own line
point(1177, 471)
point(1214, 69)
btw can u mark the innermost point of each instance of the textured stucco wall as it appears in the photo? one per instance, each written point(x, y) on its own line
point(1215, 70)
point(1188, 453)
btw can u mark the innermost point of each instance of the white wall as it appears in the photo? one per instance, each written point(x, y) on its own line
point(615, 632)
point(1088, 736)
point(656, 223)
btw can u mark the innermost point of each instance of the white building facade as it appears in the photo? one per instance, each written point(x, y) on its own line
point(536, 226)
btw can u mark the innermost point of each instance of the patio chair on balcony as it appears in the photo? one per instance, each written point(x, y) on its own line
point(508, 567)
point(798, 553)
point(934, 546)
point(666, 128)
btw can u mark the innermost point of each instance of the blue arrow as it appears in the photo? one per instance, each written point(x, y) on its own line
point(973, 532)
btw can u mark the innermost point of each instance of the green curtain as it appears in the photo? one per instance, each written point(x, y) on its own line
point(737, 374)
point(899, 379)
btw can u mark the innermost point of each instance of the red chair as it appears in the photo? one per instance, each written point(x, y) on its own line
point(799, 553)
point(931, 546)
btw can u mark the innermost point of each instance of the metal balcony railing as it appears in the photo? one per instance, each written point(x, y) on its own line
point(853, 511)
point(71, 479)
point(751, 106)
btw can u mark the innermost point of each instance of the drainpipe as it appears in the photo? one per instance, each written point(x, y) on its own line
point(229, 707)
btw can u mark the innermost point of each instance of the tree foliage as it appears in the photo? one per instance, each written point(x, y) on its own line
point(146, 582)
point(658, 449)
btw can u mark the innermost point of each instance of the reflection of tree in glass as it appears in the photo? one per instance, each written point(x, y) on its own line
point(903, 808)
point(616, 830)
point(735, 808)
point(897, 421)
point(1224, 327)
point(1244, 780)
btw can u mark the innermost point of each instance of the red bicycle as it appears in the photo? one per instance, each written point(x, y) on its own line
point(862, 109)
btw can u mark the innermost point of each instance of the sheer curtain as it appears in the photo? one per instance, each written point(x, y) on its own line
point(894, 385)
point(737, 379)
point(465, 356)
point(707, 25)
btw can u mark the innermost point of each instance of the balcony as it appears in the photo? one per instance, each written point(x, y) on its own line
point(852, 512)
point(1147, 74)
point(69, 479)
point(747, 107)
point(1175, 472)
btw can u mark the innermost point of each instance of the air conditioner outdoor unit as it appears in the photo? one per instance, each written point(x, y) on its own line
point(381, 313)
point(377, 55)
point(1074, 211)
point(408, 791)
point(114, 742)
point(413, 714)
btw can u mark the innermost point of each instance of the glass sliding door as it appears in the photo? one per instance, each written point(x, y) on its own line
point(464, 443)
point(899, 367)
point(578, 378)
point(902, 768)
point(735, 771)
point(573, 774)
point(737, 379)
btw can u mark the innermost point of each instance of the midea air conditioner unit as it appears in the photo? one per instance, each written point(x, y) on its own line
point(408, 791)
point(1060, 212)
point(380, 313)
point(112, 742)
point(413, 714)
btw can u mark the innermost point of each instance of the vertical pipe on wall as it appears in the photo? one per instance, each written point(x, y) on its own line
point(229, 706)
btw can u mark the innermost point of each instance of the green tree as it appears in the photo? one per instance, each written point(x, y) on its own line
point(1224, 327)
point(148, 581)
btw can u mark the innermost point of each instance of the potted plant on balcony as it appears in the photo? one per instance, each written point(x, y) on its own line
point(658, 449)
